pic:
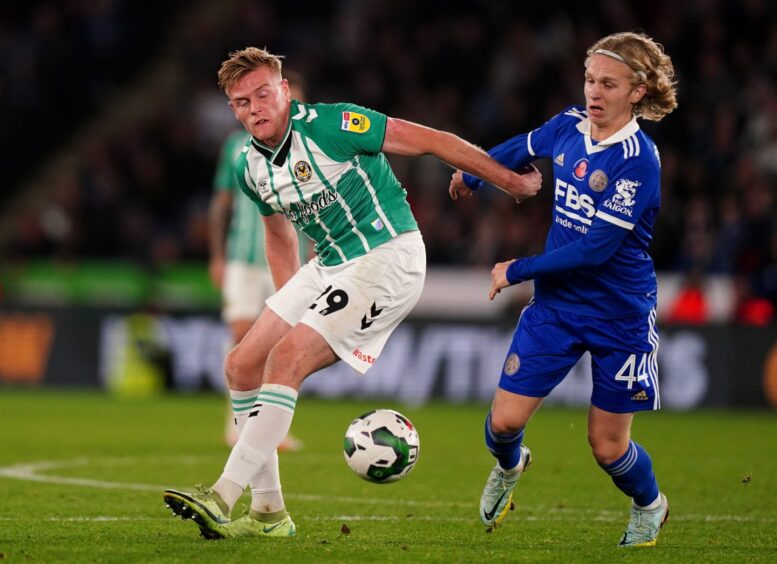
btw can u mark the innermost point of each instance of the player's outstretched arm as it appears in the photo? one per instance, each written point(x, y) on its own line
point(281, 247)
point(411, 139)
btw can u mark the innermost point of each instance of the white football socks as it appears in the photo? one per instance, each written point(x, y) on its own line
point(266, 496)
point(267, 423)
point(242, 404)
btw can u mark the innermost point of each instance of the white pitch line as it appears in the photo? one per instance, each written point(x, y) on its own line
point(31, 473)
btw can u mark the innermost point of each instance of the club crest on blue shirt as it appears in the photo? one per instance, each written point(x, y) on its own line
point(512, 364)
point(581, 169)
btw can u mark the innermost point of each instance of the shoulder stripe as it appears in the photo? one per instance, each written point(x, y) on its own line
point(301, 113)
point(631, 147)
point(614, 220)
point(579, 114)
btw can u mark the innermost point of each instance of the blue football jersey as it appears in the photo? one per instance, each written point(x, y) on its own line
point(606, 198)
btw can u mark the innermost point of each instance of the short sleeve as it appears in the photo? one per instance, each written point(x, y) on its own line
point(347, 130)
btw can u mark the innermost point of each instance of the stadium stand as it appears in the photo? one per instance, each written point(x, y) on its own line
point(89, 179)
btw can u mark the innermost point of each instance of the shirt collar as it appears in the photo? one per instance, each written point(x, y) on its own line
point(584, 127)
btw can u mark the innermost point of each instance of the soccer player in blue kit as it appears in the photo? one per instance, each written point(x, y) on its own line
point(595, 285)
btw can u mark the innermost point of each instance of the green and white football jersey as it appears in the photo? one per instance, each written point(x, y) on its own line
point(329, 177)
point(245, 240)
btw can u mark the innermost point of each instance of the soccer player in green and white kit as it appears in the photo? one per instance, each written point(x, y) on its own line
point(321, 167)
point(238, 266)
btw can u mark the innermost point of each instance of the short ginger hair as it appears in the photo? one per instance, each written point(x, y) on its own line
point(244, 61)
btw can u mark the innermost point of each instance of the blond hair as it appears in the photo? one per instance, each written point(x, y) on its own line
point(652, 67)
point(240, 63)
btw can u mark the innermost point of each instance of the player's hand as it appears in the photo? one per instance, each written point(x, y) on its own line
point(527, 183)
point(457, 187)
point(499, 278)
point(216, 267)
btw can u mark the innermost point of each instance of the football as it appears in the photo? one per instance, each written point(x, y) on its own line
point(381, 446)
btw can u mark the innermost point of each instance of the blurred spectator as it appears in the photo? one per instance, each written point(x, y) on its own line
point(481, 69)
point(751, 309)
point(690, 306)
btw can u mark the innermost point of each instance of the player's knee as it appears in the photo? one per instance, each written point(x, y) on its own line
point(505, 423)
point(605, 449)
point(240, 375)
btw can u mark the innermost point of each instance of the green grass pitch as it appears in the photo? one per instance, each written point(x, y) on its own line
point(81, 476)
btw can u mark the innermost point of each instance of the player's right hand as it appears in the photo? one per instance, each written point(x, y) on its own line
point(528, 182)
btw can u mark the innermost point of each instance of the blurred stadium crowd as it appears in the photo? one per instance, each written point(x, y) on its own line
point(485, 70)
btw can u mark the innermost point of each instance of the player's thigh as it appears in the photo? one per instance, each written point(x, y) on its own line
point(362, 303)
point(299, 353)
point(246, 287)
point(624, 363)
point(249, 356)
point(542, 352)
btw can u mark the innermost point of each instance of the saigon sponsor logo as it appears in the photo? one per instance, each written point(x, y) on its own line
point(357, 123)
point(623, 200)
point(512, 364)
point(369, 359)
point(581, 169)
point(302, 171)
point(597, 181)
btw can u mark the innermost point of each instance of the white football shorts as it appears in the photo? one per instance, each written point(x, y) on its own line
point(246, 287)
point(356, 306)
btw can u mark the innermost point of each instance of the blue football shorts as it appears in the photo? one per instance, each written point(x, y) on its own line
point(547, 343)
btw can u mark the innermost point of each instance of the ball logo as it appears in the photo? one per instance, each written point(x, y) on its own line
point(512, 364)
point(581, 169)
point(302, 171)
point(598, 180)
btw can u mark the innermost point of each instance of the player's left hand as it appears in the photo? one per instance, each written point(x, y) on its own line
point(457, 187)
point(499, 278)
